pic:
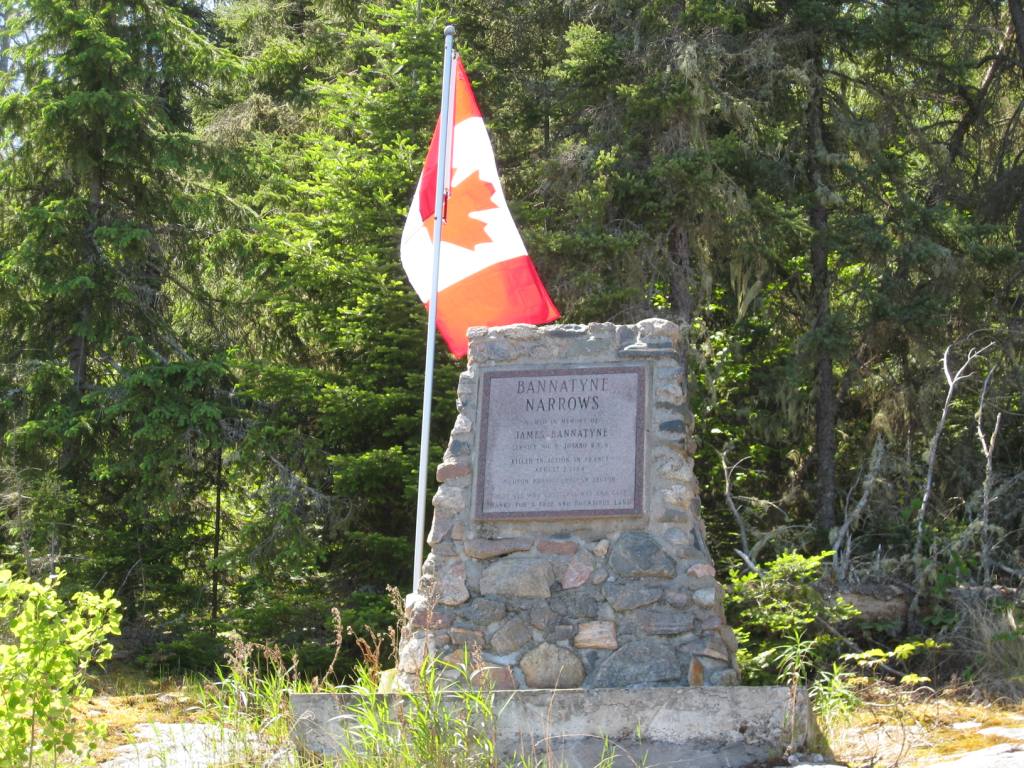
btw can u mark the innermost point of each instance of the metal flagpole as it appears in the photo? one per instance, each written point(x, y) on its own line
point(428, 381)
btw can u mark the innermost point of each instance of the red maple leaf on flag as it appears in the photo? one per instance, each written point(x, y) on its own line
point(471, 195)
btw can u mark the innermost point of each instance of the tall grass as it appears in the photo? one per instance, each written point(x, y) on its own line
point(448, 723)
point(990, 635)
point(444, 724)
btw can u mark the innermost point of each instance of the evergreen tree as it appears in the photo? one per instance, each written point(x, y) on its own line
point(102, 404)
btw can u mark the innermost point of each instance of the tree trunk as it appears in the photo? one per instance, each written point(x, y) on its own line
point(826, 406)
point(1017, 17)
point(5, 43)
point(682, 274)
point(78, 346)
point(215, 606)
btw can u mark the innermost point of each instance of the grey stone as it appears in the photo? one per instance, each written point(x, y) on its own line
point(729, 638)
point(675, 425)
point(641, 661)
point(715, 648)
point(706, 598)
point(517, 577)
point(627, 597)
point(541, 617)
point(574, 604)
point(677, 598)
point(551, 666)
point(481, 611)
point(711, 622)
point(449, 497)
point(726, 677)
point(413, 652)
point(561, 632)
point(636, 555)
point(511, 636)
point(457, 448)
point(658, 328)
point(440, 529)
point(625, 336)
point(568, 329)
point(443, 549)
point(664, 621)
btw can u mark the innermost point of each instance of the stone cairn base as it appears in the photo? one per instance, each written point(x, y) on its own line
point(583, 602)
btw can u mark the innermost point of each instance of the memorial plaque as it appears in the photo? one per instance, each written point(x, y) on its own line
point(565, 442)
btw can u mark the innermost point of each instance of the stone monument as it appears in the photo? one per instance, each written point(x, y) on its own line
point(567, 547)
point(568, 552)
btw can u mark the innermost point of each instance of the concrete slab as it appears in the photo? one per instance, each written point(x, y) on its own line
point(711, 727)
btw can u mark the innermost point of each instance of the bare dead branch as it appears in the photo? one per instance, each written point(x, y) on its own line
point(842, 542)
point(988, 444)
point(741, 525)
point(952, 380)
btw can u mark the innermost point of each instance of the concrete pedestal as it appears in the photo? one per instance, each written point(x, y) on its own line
point(710, 727)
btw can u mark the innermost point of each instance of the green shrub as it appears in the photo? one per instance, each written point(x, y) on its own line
point(46, 645)
point(197, 651)
point(779, 615)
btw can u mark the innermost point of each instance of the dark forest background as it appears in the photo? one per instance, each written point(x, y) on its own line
point(211, 363)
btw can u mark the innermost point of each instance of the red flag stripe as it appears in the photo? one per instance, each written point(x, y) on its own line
point(463, 108)
point(512, 291)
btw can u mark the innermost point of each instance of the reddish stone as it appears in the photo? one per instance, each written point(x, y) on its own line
point(449, 471)
point(485, 549)
point(696, 676)
point(576, 574)
point(557, 547)
point(468, 637)
point(596, 634)
point(494, 678)
point(701, 571)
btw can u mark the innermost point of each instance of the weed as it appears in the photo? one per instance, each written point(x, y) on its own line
point(444, 723)
point(990, 638)
point(834, 699)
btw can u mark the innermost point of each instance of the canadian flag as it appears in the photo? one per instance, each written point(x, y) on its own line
point(486, 276)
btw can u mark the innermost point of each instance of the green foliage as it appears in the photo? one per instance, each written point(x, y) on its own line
point(781, 602)
point(196, 651)
point(874, 658)
point(444, 723)
point(46, 644)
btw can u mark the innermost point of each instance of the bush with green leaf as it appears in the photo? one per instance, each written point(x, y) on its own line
point(776, 604)
point(46, 644)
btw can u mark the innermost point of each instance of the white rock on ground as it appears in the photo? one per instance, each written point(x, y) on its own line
point(176, 745)
point(999, 756)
